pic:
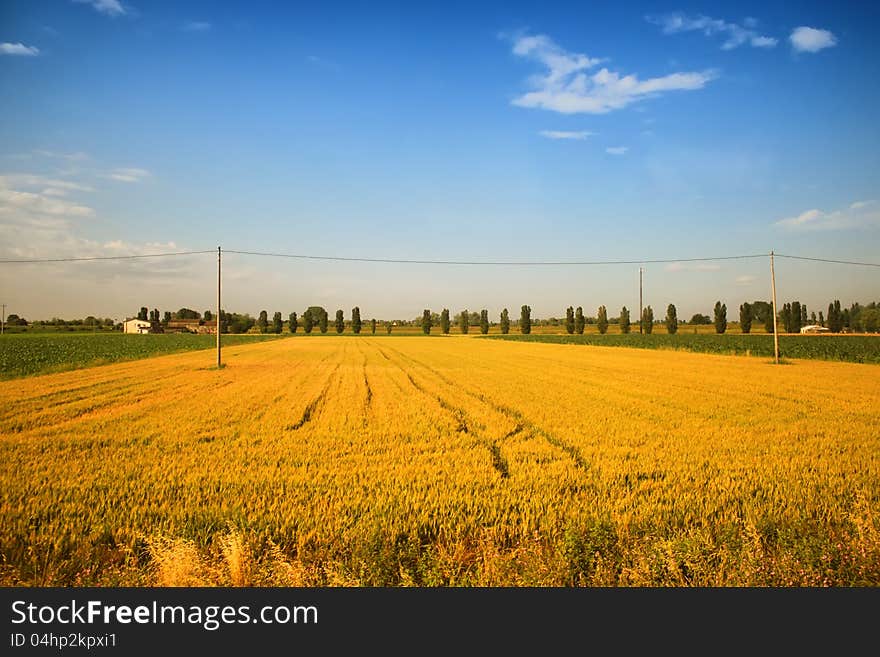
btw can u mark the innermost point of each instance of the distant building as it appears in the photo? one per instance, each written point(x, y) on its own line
point(814, 328)
point(136, 326)
point(191, 326)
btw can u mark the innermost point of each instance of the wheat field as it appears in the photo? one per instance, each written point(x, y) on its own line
point(442, 461)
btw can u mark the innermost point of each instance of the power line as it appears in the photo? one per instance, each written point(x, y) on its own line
point(839, 262)
point(121, 257)
point(505, 263)
point(408, 261)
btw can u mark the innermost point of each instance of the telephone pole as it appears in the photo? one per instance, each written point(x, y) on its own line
point(775, 333)
point(219, 360)
point(2, 318)
point(641, 269)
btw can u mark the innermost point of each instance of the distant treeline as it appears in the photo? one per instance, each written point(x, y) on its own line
point(791, 317)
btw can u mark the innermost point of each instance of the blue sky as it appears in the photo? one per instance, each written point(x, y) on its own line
point(532, 131)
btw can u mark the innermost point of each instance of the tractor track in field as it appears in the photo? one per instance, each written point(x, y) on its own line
point(571, 450)
point(465, 423)
point(315, 405)
point(368, 397)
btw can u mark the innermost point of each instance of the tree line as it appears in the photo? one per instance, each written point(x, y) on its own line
point(791, 318)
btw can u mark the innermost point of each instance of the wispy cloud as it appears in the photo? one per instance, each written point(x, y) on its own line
point(745, 281)
point(49, 186)
point(567, 88)
point(25, 206)
point(810, 39)
point(197, 26)
point(691, 266)
point(859, 215)
point(579, 135)
point(79, 156)
point(107, 7)
point(128, 175)
point(734, 35)
point(18, 49)
point(617, 150)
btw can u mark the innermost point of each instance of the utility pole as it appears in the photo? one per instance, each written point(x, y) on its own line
point(2, 318)
point(219, 360)
point(640, 298)
point(775, 333)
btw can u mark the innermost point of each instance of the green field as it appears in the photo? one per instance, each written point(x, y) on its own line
point(852, 348)
point(26, 354)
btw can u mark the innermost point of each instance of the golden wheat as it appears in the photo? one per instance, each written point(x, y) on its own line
point(442, 461)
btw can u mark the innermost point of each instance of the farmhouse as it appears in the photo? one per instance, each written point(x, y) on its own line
point(136, 326)
point(814, 328)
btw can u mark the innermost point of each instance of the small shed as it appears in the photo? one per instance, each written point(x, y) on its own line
point(814, 328)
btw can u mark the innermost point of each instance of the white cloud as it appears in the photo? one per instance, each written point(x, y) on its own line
point(744, 281)
point(128, 175)
point(565, 86)
point(763, 42)
point(735, 35)
point(16, 205)
point(196, 26)
point(617, 150)
point(690, 266)
point(565, 134)
point(107, 7)
point(859, 215)
point(57, 187)
point(18, 49)
point(809, 39)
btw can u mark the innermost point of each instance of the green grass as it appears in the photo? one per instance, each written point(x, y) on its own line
point(28, 354)
point(852, 348)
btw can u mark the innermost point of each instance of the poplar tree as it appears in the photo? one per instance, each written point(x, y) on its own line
point(484, 321)
point(505, 322)
point(263, 321)
point(308, 322)
point(795, 317)
point(292, 323)
point(426, 321)
point(671, 320)
point(569, 320)
point(277, 323)
point(356, 320)
point(340, 321)
point(625, 325)
point(720, 317)
point(525, 320)
point(785, 316)
point(463, 321)
point(579, 321)
point(373, 326)
point(323, 321)
point(602, 320)
point(648, 320)
point(769, 321)
point(745, 317)
point(444, 321)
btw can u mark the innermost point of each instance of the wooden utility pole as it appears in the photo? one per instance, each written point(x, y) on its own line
point(775, 333)
point(2, 318)
point(640, 298)
point(219, 360)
